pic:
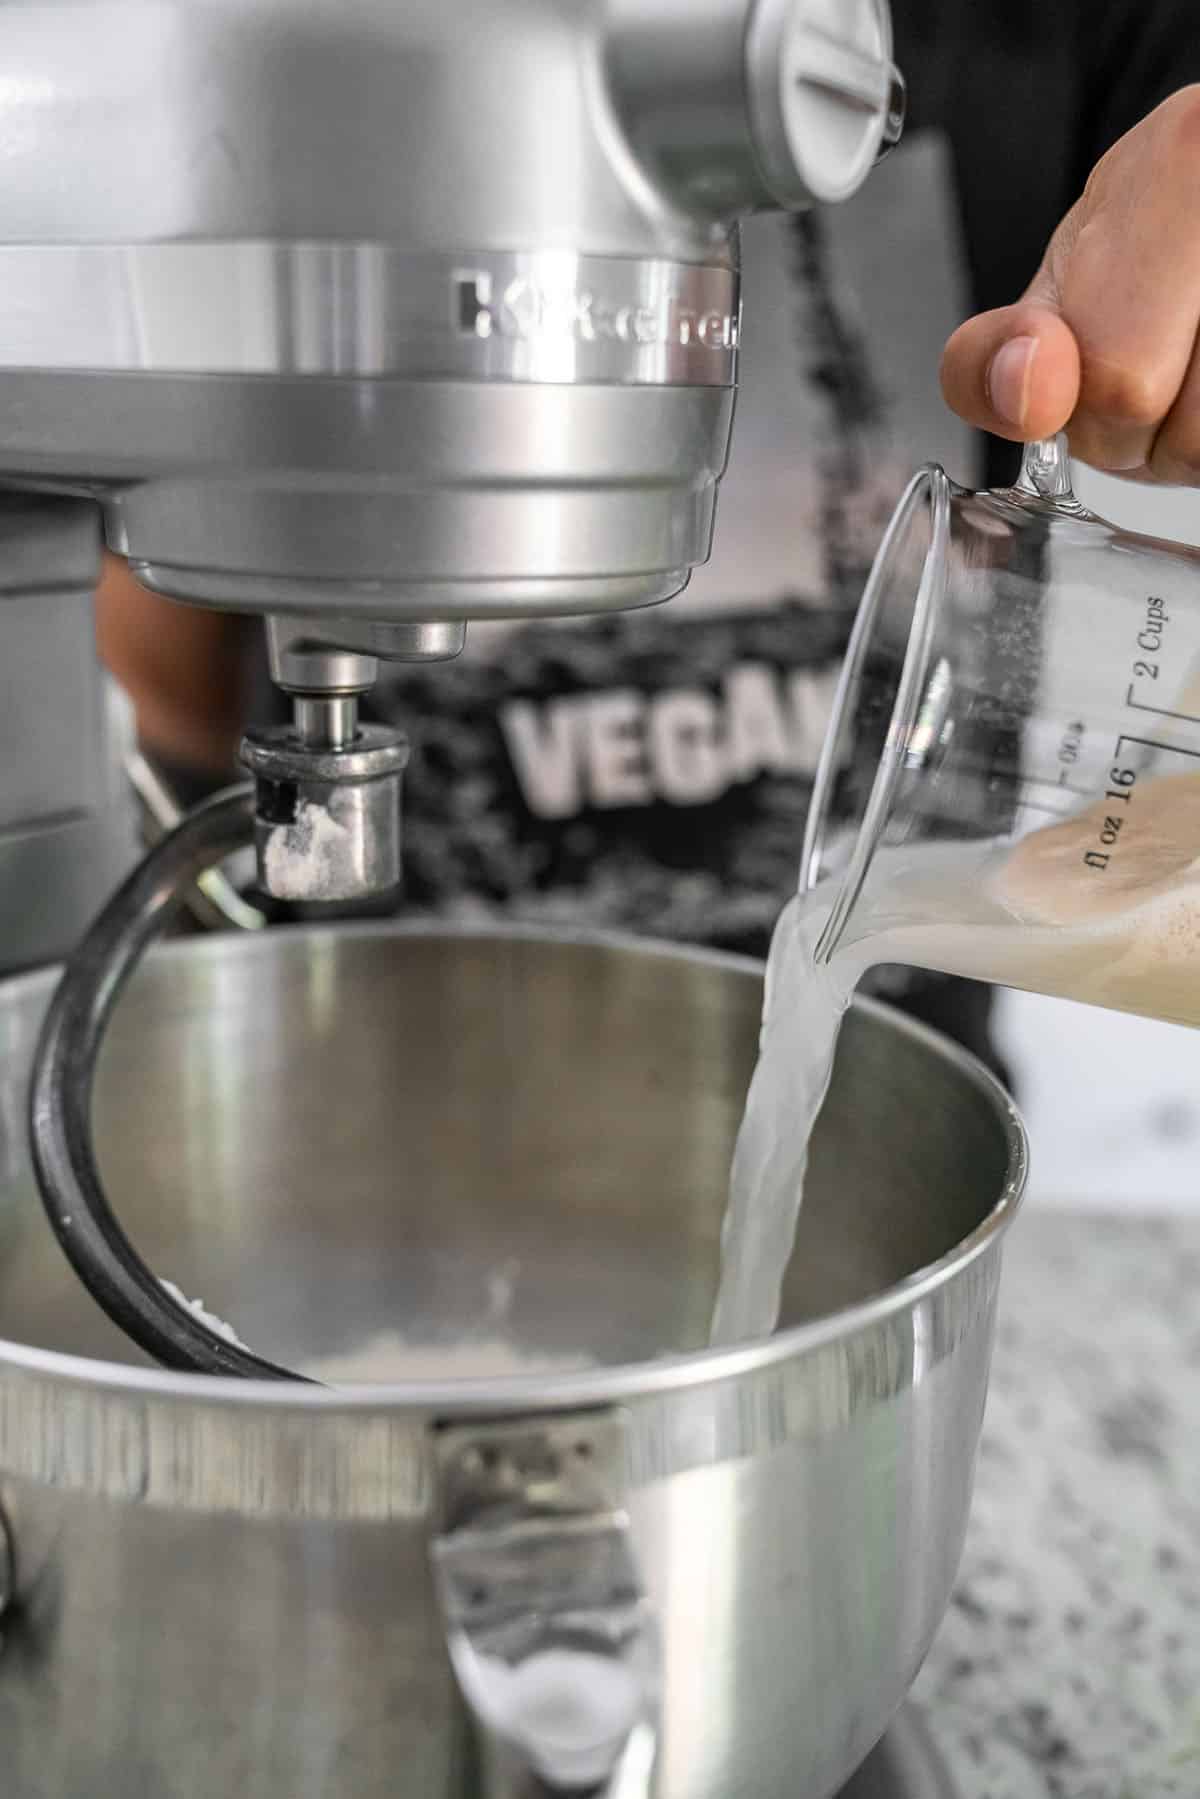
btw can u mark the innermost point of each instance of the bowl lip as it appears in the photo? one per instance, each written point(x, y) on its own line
point(582, 1389)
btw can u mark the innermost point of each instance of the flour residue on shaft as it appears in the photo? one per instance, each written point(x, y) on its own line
point(306, 855)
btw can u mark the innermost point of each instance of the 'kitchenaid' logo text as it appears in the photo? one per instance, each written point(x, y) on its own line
point(524, 310)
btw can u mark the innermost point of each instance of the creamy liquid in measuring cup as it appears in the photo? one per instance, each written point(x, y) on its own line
point(1036, 914)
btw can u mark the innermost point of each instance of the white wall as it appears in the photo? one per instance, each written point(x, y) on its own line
point(1112, 1103)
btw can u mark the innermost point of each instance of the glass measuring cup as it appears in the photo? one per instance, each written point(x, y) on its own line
point(1016, 742)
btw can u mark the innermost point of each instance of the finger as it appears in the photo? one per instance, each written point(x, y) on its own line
point(1014, 372)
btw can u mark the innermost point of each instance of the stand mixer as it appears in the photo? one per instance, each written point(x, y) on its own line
point(375, 317)
point(373, 320)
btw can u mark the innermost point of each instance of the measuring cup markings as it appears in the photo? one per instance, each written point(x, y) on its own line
point(1039, 780)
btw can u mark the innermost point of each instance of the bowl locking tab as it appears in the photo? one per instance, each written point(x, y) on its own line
point(549, 1630)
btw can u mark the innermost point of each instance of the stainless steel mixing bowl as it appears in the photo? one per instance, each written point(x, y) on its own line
point(725, 1568)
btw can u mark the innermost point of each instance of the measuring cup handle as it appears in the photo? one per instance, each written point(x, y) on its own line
point(1046, 472)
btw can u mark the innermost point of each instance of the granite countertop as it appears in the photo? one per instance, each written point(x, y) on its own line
point(1069, 1664)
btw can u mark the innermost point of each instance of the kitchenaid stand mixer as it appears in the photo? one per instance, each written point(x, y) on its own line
point(375, 319)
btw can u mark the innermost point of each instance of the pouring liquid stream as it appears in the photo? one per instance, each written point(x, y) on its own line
point(1034, 915)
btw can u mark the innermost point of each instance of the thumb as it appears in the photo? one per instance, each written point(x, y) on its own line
point(1015, 372)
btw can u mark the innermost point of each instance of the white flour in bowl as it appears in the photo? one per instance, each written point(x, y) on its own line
point(388, 1357)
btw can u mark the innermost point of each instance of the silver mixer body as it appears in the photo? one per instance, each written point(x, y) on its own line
point(374, 318)
point(402, 313)
point(379, 318)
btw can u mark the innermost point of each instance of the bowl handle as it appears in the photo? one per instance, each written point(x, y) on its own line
point(548, 1627)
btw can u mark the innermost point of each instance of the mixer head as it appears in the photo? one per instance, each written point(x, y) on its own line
point(376, 319)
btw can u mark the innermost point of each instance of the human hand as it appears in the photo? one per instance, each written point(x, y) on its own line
point(1104, 342)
